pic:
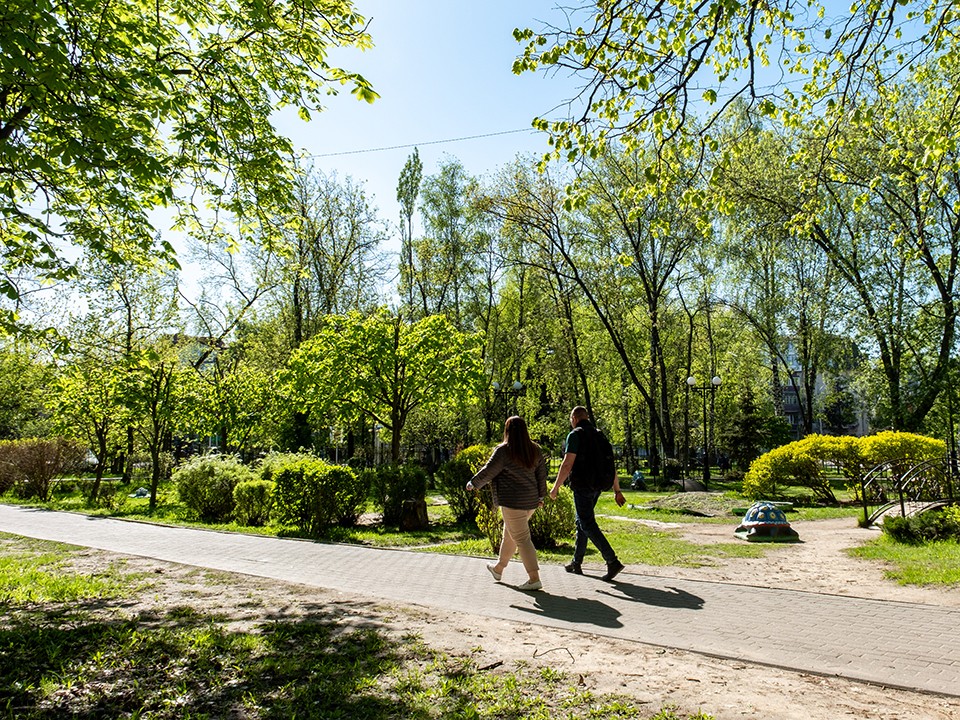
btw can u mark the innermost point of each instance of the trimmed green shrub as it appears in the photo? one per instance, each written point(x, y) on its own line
point(205, 484)
point(312, 495)
point(268, 466)
point(451, 480)
point(929, 526)
point(350, 494)
point(392, 485)
point(28, 466)
point(251, 502)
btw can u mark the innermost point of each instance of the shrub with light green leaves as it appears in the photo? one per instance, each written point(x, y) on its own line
point(781, 467)
point(251, 502)
point(312, 495)
point(205, 485)
point(903, 449)
point(801, 463)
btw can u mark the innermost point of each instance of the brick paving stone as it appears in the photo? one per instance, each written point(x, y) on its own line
point(895, 644)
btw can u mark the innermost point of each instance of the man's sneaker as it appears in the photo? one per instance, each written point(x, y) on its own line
point(531, 585)
point(613, 569)
point(574, 568)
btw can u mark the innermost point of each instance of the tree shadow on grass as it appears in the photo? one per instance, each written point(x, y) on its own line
point(185, 664)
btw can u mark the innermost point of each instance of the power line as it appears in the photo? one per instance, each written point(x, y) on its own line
point(430, 142)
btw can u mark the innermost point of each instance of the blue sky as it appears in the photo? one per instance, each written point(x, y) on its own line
point(443, 71)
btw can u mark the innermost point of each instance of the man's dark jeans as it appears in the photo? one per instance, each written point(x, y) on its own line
point(584, 503)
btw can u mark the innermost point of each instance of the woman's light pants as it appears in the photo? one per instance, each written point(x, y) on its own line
point(516, 536)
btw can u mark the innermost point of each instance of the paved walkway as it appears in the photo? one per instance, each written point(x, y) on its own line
point(895, 644)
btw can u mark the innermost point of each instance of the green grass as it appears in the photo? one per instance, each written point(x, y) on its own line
point(101, 661)
point(40, 576)
point(935, 563)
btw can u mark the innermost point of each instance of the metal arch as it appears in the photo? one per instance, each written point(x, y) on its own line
point(911, 487)
point(872, 478)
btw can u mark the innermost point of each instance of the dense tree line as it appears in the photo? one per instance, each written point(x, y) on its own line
point(799, 245)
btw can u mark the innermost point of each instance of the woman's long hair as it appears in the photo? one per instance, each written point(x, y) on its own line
point(522, 448)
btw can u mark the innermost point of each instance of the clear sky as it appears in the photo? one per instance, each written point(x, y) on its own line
point(443, 71)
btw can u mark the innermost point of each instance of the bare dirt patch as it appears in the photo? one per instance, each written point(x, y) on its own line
point(650, 677)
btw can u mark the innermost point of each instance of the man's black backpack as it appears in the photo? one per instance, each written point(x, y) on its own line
point(600, 464)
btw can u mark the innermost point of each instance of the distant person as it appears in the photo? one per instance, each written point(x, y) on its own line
point(577, 465)
point(517, 472)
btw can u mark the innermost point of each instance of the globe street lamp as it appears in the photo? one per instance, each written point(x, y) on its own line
point(513, 391)
point(710, 389)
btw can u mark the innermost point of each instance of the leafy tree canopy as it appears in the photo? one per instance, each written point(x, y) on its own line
point(650, 66)
point(383, 368)
point(107, 109)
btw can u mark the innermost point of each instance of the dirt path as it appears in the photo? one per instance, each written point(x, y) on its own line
point(819, 563)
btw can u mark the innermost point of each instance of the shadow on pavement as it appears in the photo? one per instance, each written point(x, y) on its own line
point(577, 610)
point(671, 598)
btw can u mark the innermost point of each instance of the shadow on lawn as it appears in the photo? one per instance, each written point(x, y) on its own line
point(56, 663)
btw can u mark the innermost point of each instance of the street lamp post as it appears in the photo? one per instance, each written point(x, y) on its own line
point(710, 389)
point(686, 435)
point(514, 391)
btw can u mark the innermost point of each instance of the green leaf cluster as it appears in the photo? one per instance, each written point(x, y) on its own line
point(312, 495)
point(802, 463)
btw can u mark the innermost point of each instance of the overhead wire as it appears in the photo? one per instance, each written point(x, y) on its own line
point(422, 144)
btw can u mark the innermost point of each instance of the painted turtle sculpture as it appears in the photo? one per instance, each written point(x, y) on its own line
point(765, 522)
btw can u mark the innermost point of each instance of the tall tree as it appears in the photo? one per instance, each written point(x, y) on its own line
point(408, 190)
point(446, 257)
point(336, 265)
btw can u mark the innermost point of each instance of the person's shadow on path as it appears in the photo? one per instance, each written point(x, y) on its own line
point(670, 598)
point(576, 610)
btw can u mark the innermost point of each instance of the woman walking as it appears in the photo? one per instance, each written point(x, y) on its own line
point(517, 470)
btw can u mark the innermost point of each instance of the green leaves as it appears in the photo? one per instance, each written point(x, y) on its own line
point(382, 368)
point(109, 108)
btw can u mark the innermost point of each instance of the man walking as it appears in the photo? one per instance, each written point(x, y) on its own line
point(577, 465)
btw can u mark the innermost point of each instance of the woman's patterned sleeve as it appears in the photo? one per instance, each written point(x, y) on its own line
point(491, 468)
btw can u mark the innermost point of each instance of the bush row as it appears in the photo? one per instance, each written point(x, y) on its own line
point(293, 489)
point(296, 489)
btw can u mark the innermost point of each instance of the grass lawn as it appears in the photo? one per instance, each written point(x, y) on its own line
point(935, 563)
point(70, 646)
